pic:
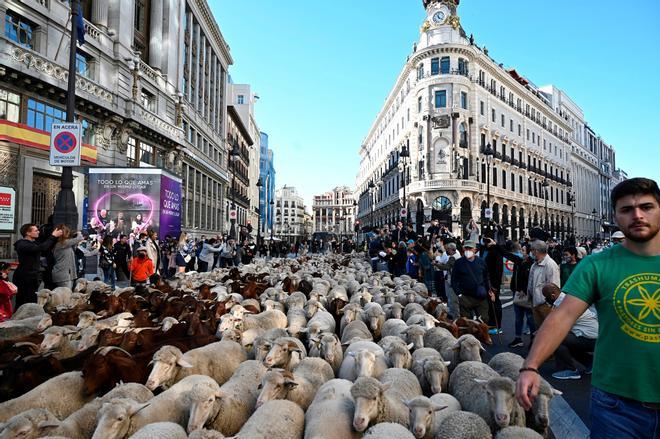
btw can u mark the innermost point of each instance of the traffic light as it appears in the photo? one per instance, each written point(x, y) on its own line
point(356, 228)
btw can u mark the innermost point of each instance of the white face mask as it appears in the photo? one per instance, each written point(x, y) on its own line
point(469, 254)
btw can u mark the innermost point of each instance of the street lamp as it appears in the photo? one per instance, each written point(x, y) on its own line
point(571, 200)
point(488, 152)
point(372, 189)
point(403, 165)
point(545, 185)
point(260, 184)
point(233, 156)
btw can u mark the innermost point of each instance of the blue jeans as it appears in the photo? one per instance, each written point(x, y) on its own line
point(614, 417)
point(109, 276)
point(521, 313)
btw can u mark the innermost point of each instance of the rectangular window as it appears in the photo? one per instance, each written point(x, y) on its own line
point(492, 115)
point(513, 182)
point(131, 151)
point(10, 104)
point(147, 153)
point(19, 30)
point(511, 125)
point(435, 66)
point(141, 26)
point(463, 67)
point(420, 71)
point(519, 130)
point(494, 176)
point(441, 99)
point(42, 116)
point(419, 104)
point(148, 101)
point(503, 179)
point(503, 121)
point(481, 107)
point(83, 65)
point(464, 100)
point(444, 65)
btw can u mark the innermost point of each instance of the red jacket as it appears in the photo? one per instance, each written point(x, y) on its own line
point(7, 290)
point(141, 269)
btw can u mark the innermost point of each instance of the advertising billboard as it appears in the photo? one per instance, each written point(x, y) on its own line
point(130, 200)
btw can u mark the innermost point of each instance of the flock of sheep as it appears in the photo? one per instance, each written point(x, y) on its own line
point(316, 347)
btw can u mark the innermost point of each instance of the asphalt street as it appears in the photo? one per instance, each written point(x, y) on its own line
point(575, 392)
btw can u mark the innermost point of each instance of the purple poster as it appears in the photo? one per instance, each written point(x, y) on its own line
point(130, 201)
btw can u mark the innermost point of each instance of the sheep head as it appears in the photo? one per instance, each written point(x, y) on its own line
point(422, 412)
point(43, 296)
point(114, 418)
point(54, 338)
point(502, 399)
point(367, 393)
point(541, 405)
point(399, 355)
point(415, 335)
point(275, 384)
point(434, 371)
point(203, 404)
point(167, 362)
point(45, 322)
point(365, 362)
point(86, 319)
point(330, 343)
point(89, 337)
point(281, 353)
point(468, 348)
point(30, 424)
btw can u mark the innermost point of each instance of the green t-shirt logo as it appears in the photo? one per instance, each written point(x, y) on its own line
point(637, 303)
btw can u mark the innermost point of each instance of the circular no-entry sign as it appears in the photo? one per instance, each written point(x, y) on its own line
point(65, 142)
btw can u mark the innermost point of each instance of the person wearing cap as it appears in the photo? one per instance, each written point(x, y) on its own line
point(469, 280)
point(618, 237)
point(544, 271)
point(142, 268)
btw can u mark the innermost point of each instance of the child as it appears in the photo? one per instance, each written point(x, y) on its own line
point(142, 268)
point(7, 290)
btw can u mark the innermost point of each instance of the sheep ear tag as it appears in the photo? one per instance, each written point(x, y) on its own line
point(137, 407)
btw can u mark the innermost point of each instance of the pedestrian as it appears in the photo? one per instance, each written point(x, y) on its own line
point(26, 276)
point(184, 250)
point(205, 259)
point(622, 283)
point(426, 273)
point(65, 270)
point(107, 261)
point(576, 350)
point(469, 279)
point(153, 249)
point(228, 253)
point(544, 271)
point(568, 264)
point(412, 264)
point(491, 252)
point(446, 264)
point(473, 230)
point(142, 268)
point(522, 304)
point(618, 237)
point(7, 292)
point(123, 256)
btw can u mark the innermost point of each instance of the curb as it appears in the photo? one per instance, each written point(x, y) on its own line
point(565, 422)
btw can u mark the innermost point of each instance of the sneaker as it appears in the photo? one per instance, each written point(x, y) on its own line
point(588, 370)
point(494, 331)
point(516, 343)
point(567, 375)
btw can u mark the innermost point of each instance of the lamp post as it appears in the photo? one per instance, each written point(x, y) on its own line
point(403, 166)
point(488, 152)
point(372, 189)
point(571, 200)
point(271, 203)
point(594, 214)
point(66, 211)
point(259, 186)
point(545, 185)
point(233, 156)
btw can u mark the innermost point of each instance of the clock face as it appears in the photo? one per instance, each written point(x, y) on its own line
point(439, 17)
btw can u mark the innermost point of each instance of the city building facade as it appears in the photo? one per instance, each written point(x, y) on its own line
point(478, 141)
point(289, 215)
point(267, 192)
point(150, 92)
point(334, 211)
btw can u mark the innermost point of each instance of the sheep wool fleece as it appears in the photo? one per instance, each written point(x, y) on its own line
point(624, 288)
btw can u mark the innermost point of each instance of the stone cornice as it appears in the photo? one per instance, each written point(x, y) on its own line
point(211, 24)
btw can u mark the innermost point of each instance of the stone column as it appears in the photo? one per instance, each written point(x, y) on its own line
point(100, 13)
point(156, 35)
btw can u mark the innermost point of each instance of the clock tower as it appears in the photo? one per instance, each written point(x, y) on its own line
point(442, 24)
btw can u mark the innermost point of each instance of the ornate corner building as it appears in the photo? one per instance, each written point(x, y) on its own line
point(151, 91)
point(450, 105)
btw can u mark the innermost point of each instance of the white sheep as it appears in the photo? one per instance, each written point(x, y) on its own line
point(395, 327)
point(517, 433)
point(264, 320)
point(321, 321)
point(158, 430)
point(27, 310)
point(397, 353)
point(295, 301)
point(393, 311)
point(355, 331)
point(483, 391)
point(349, 313)
point(298, 386)
point(330, 416)
point(426, 320)
point(296, 320)
point(170, 365)
point(52, 299)
point(415, 335)
point(538, 418)
point(61, 395)
point(262, 344)
point(12, 329)
point(465, 348)
point(81, 423)
point(285, 352)
point(463, 425)
point(328, 347)
point(204, 433)
point(426, 414)
point(27, 425)
point(362, 359)
point(228, 408)
point(382, 401)
point(56, 339)
point(121, 417)
point(412, 309)
point(431, 370)
point(374, 316)
point(388, 430)
point(275, 420)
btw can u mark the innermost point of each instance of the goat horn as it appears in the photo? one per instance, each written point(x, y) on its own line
point(105, 349)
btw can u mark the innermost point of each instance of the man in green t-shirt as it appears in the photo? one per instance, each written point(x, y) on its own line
point(623, 282)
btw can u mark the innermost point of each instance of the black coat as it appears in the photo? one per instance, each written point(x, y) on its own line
point(29, 254)
point(495, 266)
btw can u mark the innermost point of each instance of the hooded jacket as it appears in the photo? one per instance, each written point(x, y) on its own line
point(29, 254)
